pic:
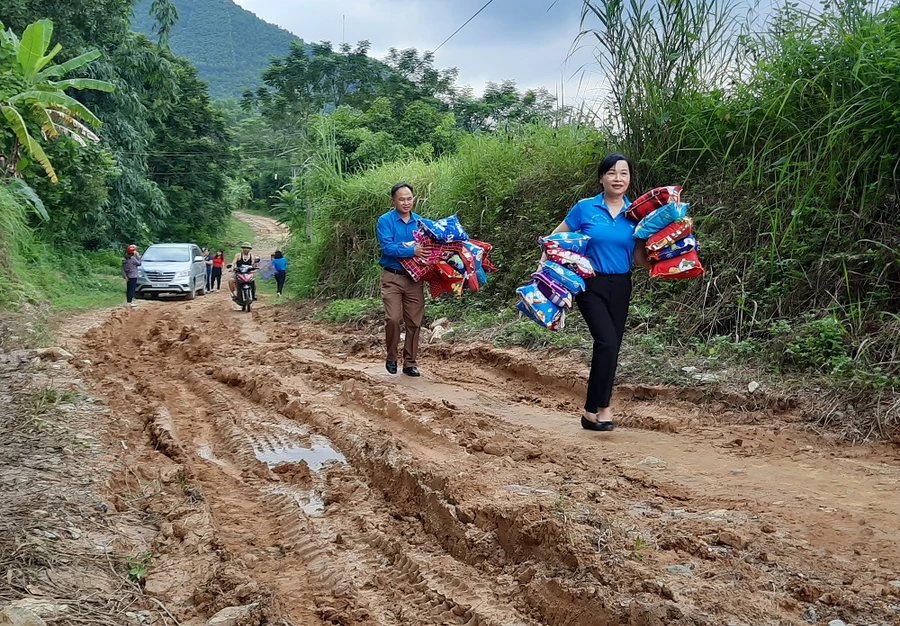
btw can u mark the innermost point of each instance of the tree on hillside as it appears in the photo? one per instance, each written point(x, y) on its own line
point(191, 161)
point(33, 99)
point(109, 196)
point(307, 82)
point(503, 104)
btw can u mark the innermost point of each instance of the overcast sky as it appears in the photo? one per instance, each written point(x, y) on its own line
point(524, 40)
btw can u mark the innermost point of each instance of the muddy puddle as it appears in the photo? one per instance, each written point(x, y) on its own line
point(316, 455)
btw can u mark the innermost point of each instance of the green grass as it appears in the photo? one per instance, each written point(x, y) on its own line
point(350, 310)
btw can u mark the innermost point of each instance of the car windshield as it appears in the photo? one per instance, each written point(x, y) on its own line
point(167, 255)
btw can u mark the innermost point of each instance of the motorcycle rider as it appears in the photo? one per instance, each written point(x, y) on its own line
point(242, 261)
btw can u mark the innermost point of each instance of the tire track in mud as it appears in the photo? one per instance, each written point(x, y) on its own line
point(469, 507)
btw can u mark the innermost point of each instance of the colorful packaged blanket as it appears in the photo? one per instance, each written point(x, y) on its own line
point(569, 280)
point(538, 307)
point(684, 266)
point(670, 234)
point(659, 219)
point(679, 248)
point(444, 230)
point(573, 242)
point(578, 263)
point(651, 201)
point(556, 293)
point(452, 266)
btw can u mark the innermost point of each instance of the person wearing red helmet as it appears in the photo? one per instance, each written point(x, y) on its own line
point(130, 268)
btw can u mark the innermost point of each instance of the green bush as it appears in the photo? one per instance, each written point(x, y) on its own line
point(817, 345)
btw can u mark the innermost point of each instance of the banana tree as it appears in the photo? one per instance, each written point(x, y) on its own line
point(32, 96)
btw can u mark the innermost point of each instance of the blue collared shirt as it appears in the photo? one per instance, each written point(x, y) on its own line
point(280, 264)
point(611, 248)
point(396, 238)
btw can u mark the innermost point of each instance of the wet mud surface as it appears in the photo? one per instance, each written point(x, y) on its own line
point(295, 476)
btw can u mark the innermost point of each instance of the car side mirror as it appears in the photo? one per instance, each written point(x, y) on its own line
point(199, 259)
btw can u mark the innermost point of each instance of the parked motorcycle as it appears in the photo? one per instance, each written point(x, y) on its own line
point(245, 286)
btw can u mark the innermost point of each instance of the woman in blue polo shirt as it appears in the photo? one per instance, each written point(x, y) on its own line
point(611, 250)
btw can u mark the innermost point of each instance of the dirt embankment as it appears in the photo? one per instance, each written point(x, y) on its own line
point(292, 475)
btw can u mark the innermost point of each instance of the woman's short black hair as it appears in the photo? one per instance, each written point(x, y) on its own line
point(277, 255)
point(400, 186)
point(610, 161)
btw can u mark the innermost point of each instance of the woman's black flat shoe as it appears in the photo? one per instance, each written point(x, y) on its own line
point(601, 426)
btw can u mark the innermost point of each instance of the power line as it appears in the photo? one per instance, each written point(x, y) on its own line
point(464, 25)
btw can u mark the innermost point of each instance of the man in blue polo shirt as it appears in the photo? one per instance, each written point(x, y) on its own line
point(404, 298)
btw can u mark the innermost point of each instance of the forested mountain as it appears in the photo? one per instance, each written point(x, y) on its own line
point(229, 46)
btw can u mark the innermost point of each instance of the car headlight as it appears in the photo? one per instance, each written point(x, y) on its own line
point(183, 274)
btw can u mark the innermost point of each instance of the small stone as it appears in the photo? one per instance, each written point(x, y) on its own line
point(42, 607)
point(652, 461)
point(54, 354)
point(811, 615)
point(690, 369)
point(731, 538)
point(753, 386)
point(233, 616)
point(836, 622)
point(210, 371)
point(464, 514)
point(443, 321)
point(767, 528)
point(17, 616)
point(526, 576)
point(683, 570)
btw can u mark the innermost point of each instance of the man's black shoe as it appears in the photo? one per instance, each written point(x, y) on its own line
point(411, 371)
point(391, 367)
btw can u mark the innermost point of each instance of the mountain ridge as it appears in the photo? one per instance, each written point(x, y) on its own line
point(229, 45)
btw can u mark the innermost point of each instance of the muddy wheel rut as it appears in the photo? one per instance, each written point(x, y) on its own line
point(296, 474)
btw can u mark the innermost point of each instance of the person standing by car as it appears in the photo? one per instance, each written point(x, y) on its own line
point(208, 263)
point(243, 259)
point(279, 262)
point(218, 263)
point(404, 298)
point(131, 264)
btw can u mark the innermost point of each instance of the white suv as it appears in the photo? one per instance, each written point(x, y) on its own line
point(172, 268)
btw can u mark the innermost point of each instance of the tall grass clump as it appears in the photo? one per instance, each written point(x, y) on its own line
point(14, 234)
point(785, 138)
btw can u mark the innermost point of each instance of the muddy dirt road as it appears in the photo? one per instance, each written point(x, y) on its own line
point(287, 473)
point(270, 235)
